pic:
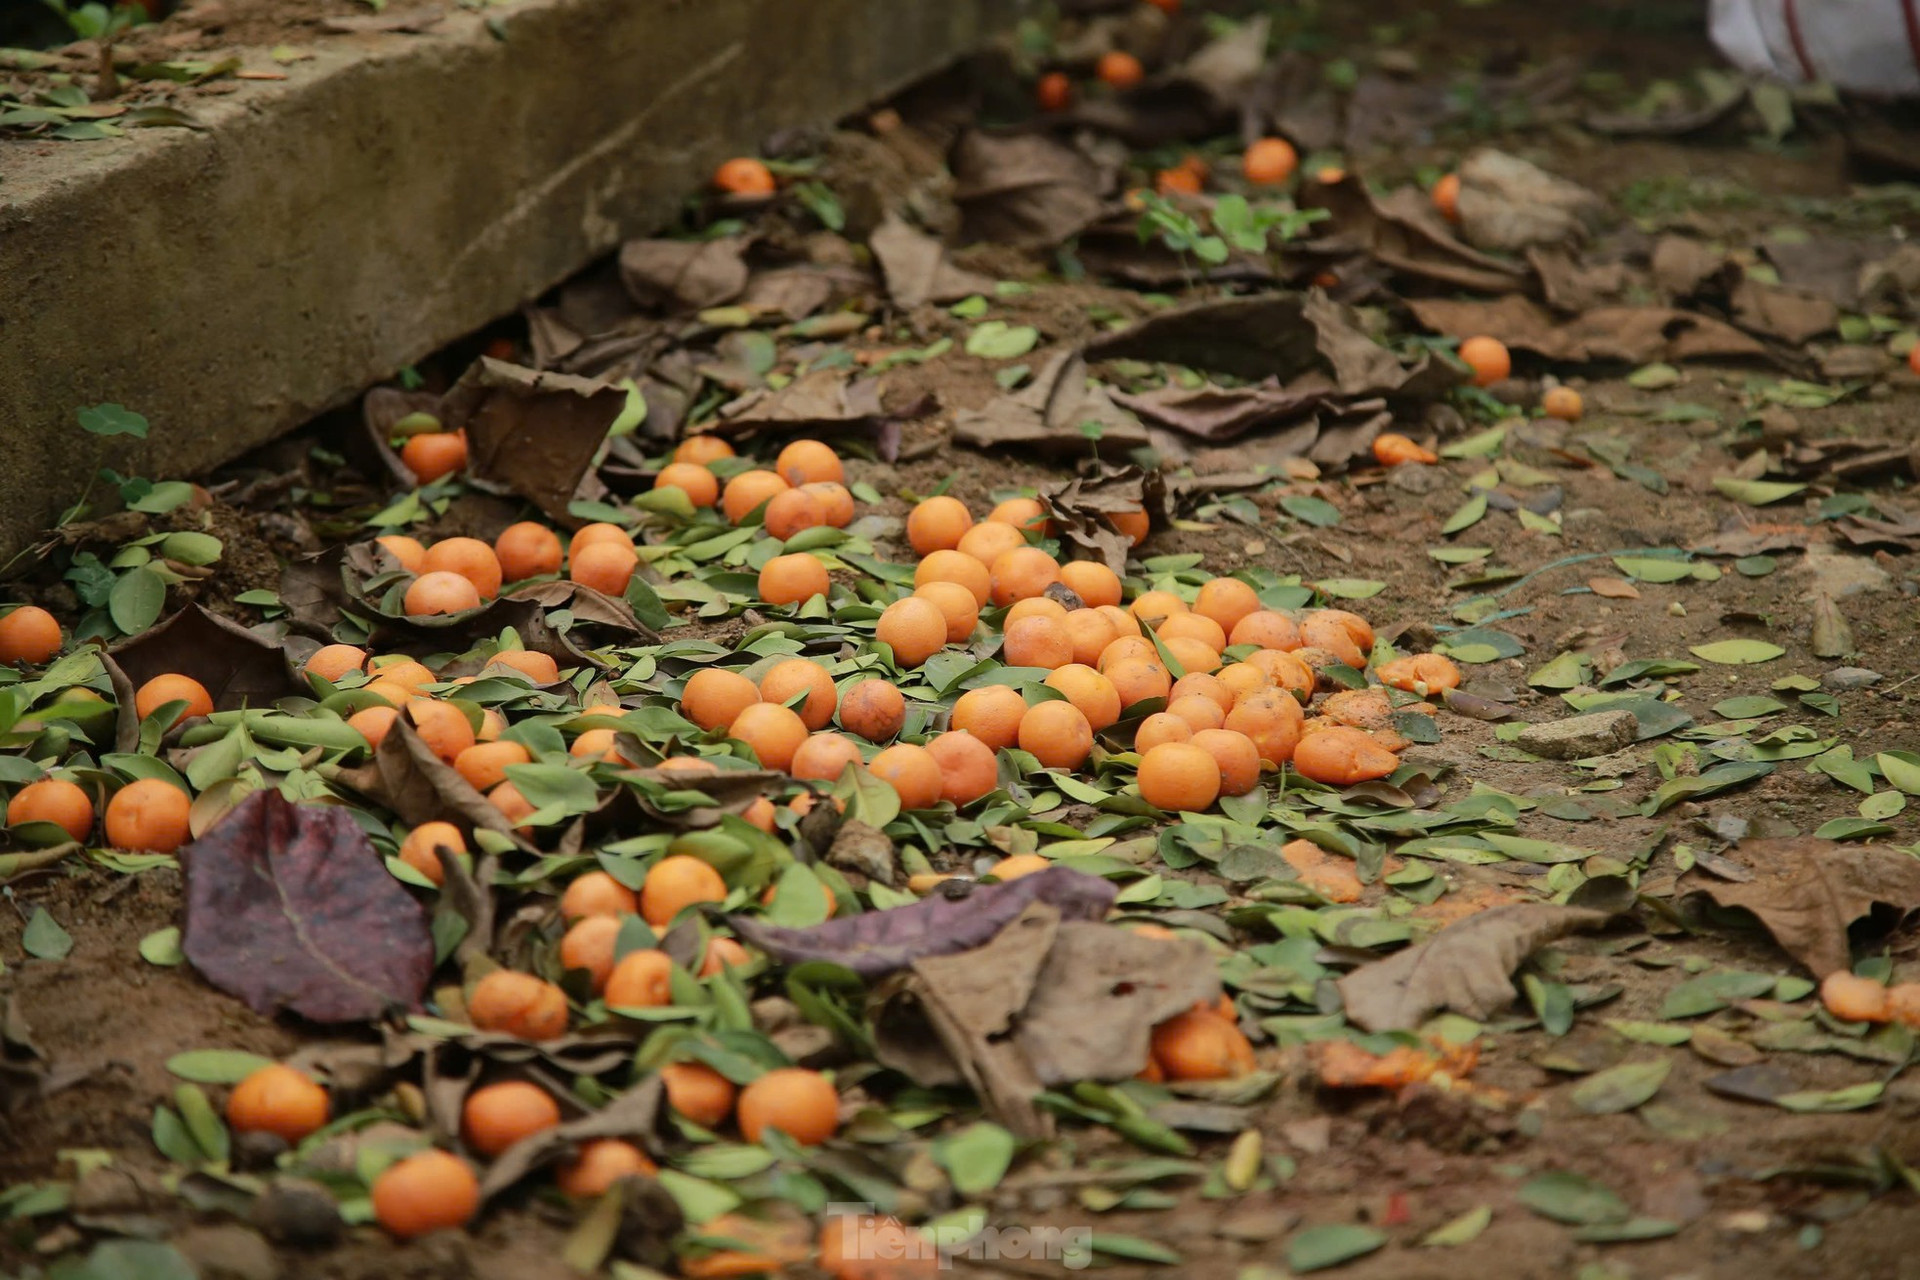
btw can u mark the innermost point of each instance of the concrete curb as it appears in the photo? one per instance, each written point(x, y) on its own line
point(395, 193)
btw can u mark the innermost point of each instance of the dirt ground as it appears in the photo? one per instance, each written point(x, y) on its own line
point(1754, 1190)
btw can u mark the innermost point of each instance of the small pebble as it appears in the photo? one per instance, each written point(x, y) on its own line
point(1842, 679)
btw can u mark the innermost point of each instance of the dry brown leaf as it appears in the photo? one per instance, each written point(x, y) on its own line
point(1289, 337)
point(1404, 234)
point(1048, 414)
point(1010, 1017)
point(1467, 967)
point(685, 275)
point(1807, 892)
point(1634, 334)
point(1613, 588)
point(1025, 191)
point(916, 266)
point(1510, 204)
point(534, 433)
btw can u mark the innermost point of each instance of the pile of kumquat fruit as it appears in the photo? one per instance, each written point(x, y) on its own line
point(985, 684)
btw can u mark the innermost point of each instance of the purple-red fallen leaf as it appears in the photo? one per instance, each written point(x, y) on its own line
point(288, 907)
point(879, 942)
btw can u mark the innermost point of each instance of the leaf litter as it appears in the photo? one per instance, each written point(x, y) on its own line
point(1467, 922)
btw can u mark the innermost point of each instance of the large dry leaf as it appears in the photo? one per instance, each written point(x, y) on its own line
point(1402, 233)
point(588, 607)
point(1286, 336)
point(1219, 414)
point(732, 792)
point(1011, 1016)
point(1509, 204)
point(23, 1067)
point(1049, 416)
point(1136, 983)
point(1082, 510)
point(289, 907)
point(880, 942)
point(1777, 312)
point(1807, 893)
point(1578, 284)
point(534, 433)
point(825, 400)
point(684, 275)
point(631, 1115)
point(1200, 96)
point(916, 266)
point(236, 667)
point(1026, 191)
point(1841, 270)
point(1467, 967)
point(417, 786)
point(1636, 335)
point(380, 411)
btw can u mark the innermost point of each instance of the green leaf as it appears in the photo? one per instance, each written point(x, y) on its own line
point(1552, 1003)
point(1471, 653)
point(1887, 804)
point(1349, 588)
point(174, 1139)
point(1852, 1098)
point(799, 899)
point(136, 600)
point(1317, 512)
point(113, 420)
point(170, 495)
point(869, 799)
point(1478, 445)
point(1649, 569)
point(977, 1157)
point(997, 340)
point(1317, 1248)
point(1851, 829)
point(971, 308)
point(1756, 493)
point(1132, 1247)
point(117, 1259)
point(45, 938)
point(1568, 671)
point(1631, 1229)
point(1720, 778)
point(1712, 992)
point(216, 1066)
point(1755, 566)
point(1621, 1088)
point(1900, 770)
point(699, 1199)
point(543, 785)
point(202, 1121)
point(645, 603)
point(1468, 514)
point(1648, 668)
point(1736, 653)
point(1653, 377)
point(728, 1161)
point(1464, 1229)
point(1749, 708)
point(1570, 1198)
point(1650, 1032)
point(162, 947)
